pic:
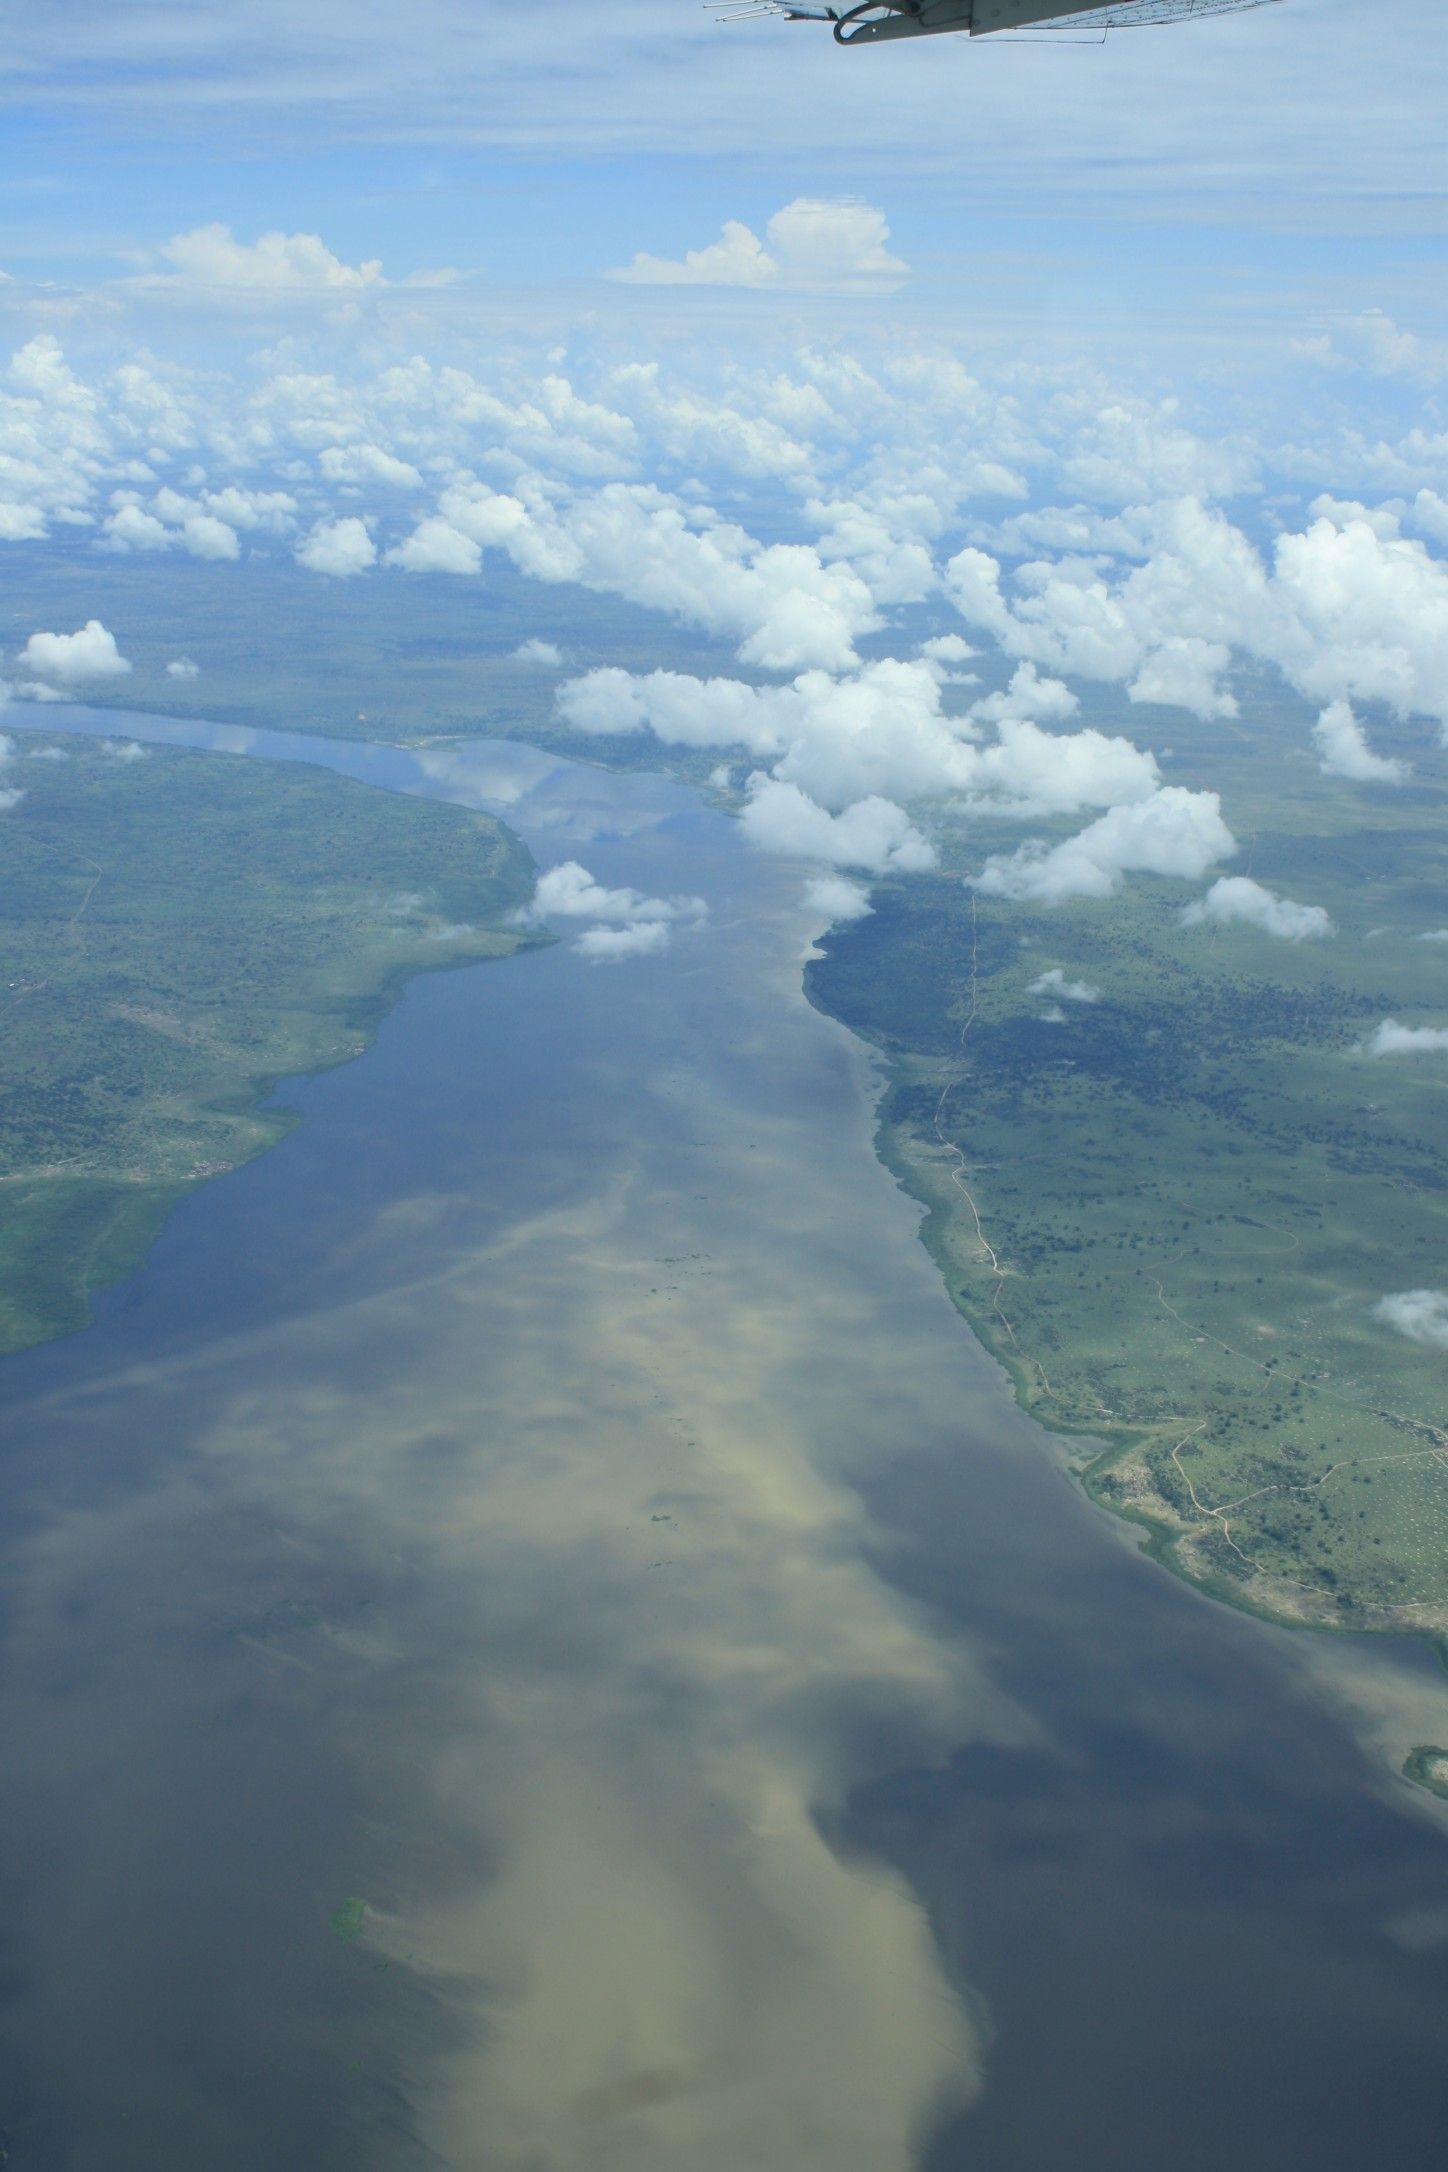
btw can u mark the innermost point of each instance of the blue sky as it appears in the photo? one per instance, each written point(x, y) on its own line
point(1202, 182)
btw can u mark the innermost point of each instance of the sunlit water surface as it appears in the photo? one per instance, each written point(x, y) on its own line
point(551, 1500)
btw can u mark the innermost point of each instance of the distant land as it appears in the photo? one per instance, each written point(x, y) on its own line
point(177, 932)
point(407, 659)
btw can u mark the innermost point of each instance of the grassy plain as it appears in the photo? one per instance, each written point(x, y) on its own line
point(177, 931)
point(1171, 1210)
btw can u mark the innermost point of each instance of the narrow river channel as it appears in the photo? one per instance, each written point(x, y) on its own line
point(536, 1641)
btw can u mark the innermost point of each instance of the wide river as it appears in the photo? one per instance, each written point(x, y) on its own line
point(551, 1501)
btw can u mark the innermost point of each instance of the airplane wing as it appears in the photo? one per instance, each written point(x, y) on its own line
point(867, 22)
point(988, 15)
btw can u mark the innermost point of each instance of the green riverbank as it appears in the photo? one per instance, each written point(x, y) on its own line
point(1169, 1205)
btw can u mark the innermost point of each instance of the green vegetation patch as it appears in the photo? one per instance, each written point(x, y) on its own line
point(349, 1920)
point(1427, 1766)
point(177, 931)
point(1171, 1208)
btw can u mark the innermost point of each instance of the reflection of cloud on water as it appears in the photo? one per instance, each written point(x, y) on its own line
point(494, 773)
point(645, 1645)
point(231, 739)
point(545, 793)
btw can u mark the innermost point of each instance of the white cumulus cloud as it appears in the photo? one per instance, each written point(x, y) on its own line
point(338, 547)
point(1391, 1039)
point(786, 608)
point(639, 939)
point(873, 834)
point(737, 259)
point(360, 465)
point(1184, 672)
point(1345, 609)
point(1175, 832)
point(627, 923)
point(20, 523)
point(131, 529)
point(817, 244)
point(1421, 1315)
point(204, 526)
point(209, 260)
point(822, 241)
point(570, 892)
point(1239, 898)
point(68, 659)
point(1054, 983)
point(435, 546)
point(837, 897)
point(881, 731)
point(204, 536)
point(1343, 750)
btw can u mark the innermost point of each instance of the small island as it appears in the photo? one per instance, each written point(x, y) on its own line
point(1427, 1766)
point(178, 931)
